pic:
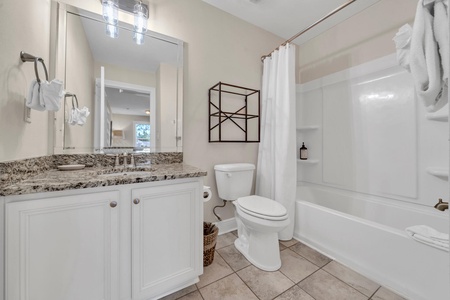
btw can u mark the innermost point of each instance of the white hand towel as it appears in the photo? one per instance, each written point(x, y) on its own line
point(34, 96)
point(402, 41)
point(82, 115)
point(73, 117)
point(424, 59)
point(429, 236)
point(441, 34)
point(51, 94)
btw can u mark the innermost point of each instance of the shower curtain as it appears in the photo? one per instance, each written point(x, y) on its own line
point(276, 175)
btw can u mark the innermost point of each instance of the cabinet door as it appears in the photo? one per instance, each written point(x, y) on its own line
point(63, 248)
point(167, 234)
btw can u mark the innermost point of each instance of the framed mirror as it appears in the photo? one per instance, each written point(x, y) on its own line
point(133, 93)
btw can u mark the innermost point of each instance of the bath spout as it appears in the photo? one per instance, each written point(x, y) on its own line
point(441, 205)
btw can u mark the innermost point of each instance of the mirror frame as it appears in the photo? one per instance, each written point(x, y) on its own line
point(58, 70)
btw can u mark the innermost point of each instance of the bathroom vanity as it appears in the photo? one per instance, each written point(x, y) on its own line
point(123, 235)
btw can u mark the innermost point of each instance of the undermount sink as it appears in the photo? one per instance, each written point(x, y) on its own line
point(126, 172)
point(129, 174)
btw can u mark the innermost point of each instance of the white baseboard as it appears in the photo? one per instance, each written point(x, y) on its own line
point(227, 225)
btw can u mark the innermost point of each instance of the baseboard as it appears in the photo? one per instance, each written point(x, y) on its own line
point(227, 225)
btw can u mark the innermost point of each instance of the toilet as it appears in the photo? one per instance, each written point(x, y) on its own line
point(259, 219)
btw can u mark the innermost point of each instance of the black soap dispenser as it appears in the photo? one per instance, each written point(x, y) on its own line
point(303, 152)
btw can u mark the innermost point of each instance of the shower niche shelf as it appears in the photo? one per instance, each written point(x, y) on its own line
point(308, 161)
point(438, 172)
point(234, 114)
point(438, 116)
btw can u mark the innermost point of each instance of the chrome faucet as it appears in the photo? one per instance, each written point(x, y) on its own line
point(125, 161)
point(441, 205)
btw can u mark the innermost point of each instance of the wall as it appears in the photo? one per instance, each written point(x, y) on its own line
point(117, 73)
point(166, 108)
point(79, 80)
point(125, 123)
point(22, 28)
point(361, 38)
point(219, 47)
point(363, 145)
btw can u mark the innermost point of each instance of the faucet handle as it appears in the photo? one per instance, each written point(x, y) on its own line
point(116, 164)
point(132, 161)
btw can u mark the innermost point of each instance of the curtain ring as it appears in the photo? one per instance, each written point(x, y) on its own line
point(36, 60)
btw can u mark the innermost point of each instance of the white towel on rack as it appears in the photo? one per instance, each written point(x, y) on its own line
point(429, 236)
point(51, 94)
point(33, 98)
point(402, 41)
point(78, 116)
point(424, 59)
point(441, 34)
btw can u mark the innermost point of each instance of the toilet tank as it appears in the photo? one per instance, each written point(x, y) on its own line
point(234, 180)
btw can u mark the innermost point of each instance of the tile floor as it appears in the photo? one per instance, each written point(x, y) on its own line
point(305, 274)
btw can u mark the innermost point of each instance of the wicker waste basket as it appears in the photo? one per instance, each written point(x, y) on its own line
point(210, 232)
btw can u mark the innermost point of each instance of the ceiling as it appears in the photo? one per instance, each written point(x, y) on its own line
point(127, 102)
point(285, 18)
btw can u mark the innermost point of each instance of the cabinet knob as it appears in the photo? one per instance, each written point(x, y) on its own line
point(136, 201)
point(113, 204)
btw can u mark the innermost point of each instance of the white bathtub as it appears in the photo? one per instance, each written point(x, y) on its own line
point(367, 234)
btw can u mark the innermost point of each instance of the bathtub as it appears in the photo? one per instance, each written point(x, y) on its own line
point(367, 234)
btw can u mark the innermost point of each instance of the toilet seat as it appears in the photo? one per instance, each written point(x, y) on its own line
point(262, 207)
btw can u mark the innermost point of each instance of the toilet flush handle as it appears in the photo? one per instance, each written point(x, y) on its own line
point(228, 175)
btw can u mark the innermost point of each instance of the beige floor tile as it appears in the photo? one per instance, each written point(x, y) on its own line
point(294, 293)
point(289, 243)
point(215, 271)
point(192, 296)
point(233, 257)
point(295, 267)
point(352, 278)
point(228, 288)
point(225, 240)
point(310, 254)
point(266, 285)
point(385, 294)
point(282, 247)
point(323, 286)
point(180, 293)
point(235, 232)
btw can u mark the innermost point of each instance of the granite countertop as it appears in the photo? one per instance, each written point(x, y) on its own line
point(90, 177)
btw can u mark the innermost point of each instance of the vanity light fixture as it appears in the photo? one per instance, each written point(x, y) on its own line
point(140, 22)
point(136, 7)
point(110, 15)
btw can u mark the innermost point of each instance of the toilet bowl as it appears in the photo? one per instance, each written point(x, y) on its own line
point(259, 219)
point(258, 231)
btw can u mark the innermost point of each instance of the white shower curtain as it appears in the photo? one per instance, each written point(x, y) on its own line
point(276, 176)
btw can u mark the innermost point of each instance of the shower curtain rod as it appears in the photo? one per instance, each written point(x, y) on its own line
point(311, 26)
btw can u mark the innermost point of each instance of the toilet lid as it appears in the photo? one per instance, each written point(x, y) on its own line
point(263, 207)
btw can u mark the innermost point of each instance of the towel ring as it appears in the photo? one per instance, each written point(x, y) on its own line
point(31, 58)
point(73, 96)
point(38, 59)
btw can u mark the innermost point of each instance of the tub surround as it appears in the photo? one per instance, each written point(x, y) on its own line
point(40, 174)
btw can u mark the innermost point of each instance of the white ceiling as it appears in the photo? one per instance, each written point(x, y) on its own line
point(127, 102)
point(287, 17)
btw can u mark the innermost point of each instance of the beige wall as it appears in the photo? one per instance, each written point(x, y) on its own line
point(23, 27)
point(125, 123)
point(117, 73)
point(80, 81)
point(361, 38)
point(166, 108)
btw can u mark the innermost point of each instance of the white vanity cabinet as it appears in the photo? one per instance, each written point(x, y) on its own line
point(126, 242)
point(167, 239)
point(63, 247)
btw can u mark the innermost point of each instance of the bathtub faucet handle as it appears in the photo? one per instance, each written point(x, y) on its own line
point(441, 205)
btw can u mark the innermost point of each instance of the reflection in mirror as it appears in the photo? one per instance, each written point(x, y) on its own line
point(132, 91)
